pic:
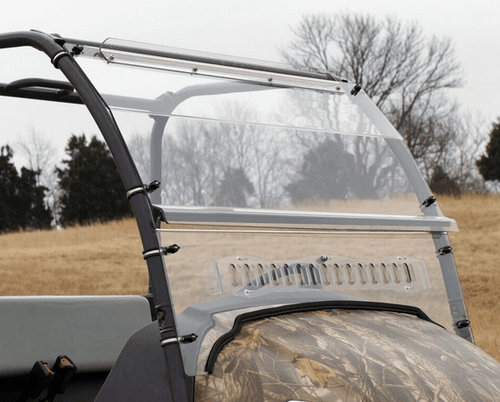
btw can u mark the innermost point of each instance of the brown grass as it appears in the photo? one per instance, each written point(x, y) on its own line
point(475, 248)
point(98, 259)
point(65, 262)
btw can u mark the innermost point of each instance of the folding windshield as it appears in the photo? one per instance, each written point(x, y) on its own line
point(271, 183)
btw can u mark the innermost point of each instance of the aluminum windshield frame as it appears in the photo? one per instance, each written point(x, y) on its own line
point(305, 219)
point(138, 54)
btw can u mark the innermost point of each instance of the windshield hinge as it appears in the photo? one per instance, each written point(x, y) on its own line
point(158, 216)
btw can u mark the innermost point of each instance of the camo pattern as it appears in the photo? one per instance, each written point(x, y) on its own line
point(349, 356)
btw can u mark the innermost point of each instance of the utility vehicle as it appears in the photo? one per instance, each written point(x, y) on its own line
point(294, 249)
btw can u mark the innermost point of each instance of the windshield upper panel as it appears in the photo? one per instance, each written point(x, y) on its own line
point(231, 144)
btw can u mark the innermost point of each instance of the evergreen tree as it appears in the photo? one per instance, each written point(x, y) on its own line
point(21, 200)
point(92, 189)
point(443, 184)
point(324, 174)
point(234, 188)
point(489, 164)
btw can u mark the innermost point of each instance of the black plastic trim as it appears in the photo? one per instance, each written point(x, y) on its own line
point(302, 308)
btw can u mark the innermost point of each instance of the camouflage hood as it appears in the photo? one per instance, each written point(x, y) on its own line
point(340, 355)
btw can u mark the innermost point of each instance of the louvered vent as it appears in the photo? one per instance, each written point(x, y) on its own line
point(325, 272)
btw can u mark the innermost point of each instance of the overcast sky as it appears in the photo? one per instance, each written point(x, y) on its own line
point(258, 28)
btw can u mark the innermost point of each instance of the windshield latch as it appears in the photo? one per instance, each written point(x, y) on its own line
point(154, 185)
point(77, 50)
point(181, 339)
point(172, 249)
point(445, 250)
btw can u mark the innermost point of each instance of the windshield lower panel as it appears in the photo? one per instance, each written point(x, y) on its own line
point(393, 268)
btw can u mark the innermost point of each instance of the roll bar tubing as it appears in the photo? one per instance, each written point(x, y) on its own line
point(181, 386)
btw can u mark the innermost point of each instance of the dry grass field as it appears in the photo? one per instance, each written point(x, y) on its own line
point(476, 248)
point(106, 259)
point(98, 259)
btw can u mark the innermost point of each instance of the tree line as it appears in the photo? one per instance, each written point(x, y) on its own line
point(88, 187)
point(249, 170)
point(407, 75)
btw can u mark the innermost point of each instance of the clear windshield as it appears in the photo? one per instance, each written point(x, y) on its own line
point(239, 161)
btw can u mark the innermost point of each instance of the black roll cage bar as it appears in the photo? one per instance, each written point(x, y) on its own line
point(181, 385)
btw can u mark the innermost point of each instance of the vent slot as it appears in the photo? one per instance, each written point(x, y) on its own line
point(325, 272)
point(373, 274)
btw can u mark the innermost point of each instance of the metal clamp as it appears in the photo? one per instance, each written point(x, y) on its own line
point(56, 57)
point(145, 188)
point(151, 253)
point(180, 339)
point(134, 191)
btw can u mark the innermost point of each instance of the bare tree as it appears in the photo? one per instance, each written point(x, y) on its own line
point(201, 156)
point(469, 142)
point(405, 73)
point(139, 148)
point(258, 151)
point(40, 155)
